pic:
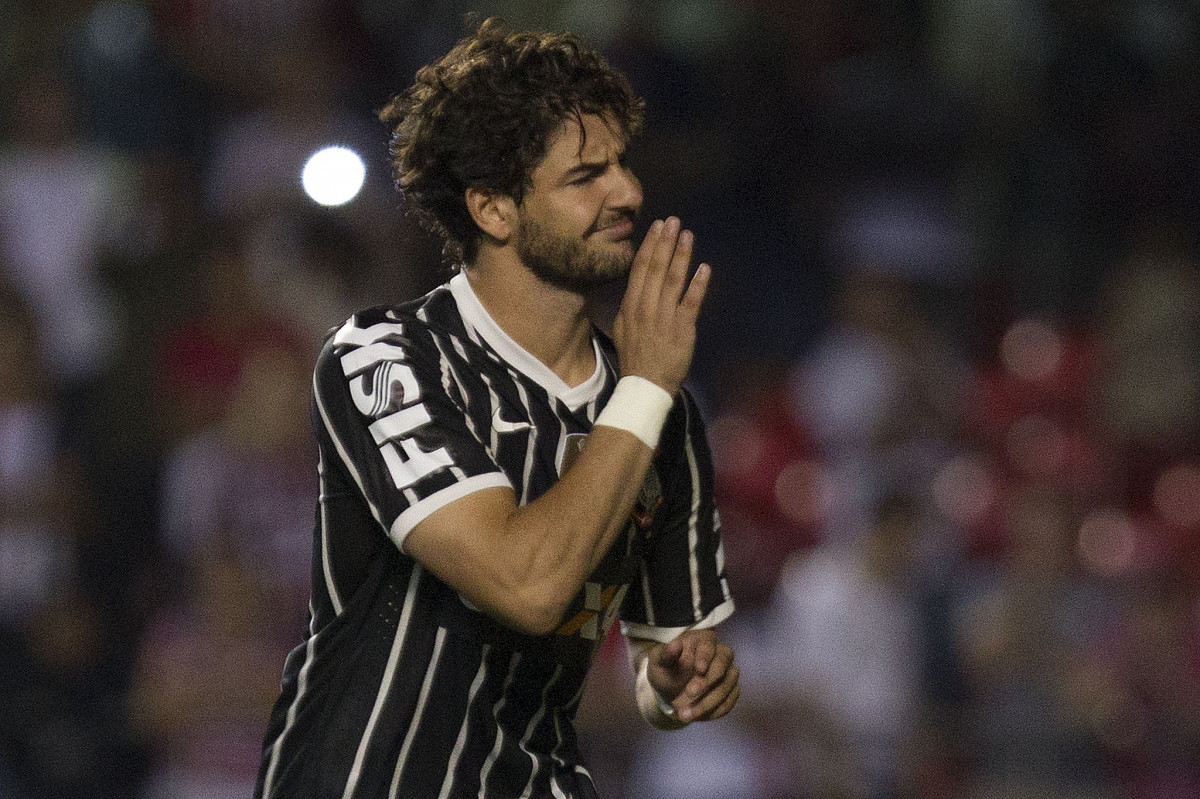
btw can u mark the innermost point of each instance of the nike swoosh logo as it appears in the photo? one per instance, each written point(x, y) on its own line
point(500, 425)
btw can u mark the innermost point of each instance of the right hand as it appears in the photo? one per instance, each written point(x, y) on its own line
point(655, 328)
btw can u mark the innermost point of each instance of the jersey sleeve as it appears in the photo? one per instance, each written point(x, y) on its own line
point(383, 405)
point(682, 581)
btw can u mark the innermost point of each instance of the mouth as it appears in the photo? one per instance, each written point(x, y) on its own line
point(617, 231)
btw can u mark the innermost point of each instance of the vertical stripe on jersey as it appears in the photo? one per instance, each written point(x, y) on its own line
point(491, 758)
point(531, 446)
point(720, 556)
point(529, 730)
point(558, 711)
point(447, 367)
point(301, 688)
point(694, 515)
point(326, 562)
point(493, 409)
point(345, 456)
point(461, 741)
point(422, 701)
point(647, 600)
point(386, 684)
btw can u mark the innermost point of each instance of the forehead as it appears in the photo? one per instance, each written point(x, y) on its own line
point(599, 140)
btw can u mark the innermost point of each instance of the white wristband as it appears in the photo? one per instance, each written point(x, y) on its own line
point(638, 406)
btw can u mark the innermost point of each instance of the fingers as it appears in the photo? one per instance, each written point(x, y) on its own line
point(667, 655)
point(726, 705)
point(716, 663)
point(641, 262)
point(655, 328)
point(687, 657)
point(714, 692)
point(658, 262)
point(676, 273)
point(660, 270)
point(706, 650)
point(694, 297)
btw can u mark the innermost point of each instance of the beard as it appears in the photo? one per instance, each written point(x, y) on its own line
point(573, 264)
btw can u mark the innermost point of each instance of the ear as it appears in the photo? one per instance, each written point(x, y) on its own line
point(494, 213)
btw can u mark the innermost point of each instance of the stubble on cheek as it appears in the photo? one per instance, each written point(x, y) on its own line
point(576, 264)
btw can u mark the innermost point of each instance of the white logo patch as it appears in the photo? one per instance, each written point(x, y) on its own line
point(501, 425)
point(378, 376)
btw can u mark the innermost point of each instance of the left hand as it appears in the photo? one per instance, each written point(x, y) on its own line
point(695, 672)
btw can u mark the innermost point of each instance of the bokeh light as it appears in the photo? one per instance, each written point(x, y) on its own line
point(118, 30)
point(1107, 542)
point(1031, 350)
point(333, 175)
point(964, 490)
point(803, 492)
point(1177, 495)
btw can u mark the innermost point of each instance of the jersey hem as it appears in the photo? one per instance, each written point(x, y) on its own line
point(667, 634)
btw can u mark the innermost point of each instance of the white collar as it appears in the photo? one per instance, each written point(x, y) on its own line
point(476, 317)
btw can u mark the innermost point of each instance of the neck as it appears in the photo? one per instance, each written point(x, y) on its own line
point(551, 323)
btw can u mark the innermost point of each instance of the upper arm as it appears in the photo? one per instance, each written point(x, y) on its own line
point(463, 544)
point(384, 412)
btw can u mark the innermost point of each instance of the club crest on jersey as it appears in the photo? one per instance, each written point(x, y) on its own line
point(649, 499)
point(569, 448)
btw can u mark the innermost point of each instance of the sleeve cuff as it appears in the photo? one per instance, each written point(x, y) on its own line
point(667, 634)
point(417, 513)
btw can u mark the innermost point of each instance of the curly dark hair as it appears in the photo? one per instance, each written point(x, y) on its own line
point(483, 114)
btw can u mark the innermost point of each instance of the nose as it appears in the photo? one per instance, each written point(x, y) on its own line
point(627, 191)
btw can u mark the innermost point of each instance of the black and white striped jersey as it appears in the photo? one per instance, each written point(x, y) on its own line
point(402, 688)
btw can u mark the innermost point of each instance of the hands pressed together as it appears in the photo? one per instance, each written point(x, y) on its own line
point(696, 674)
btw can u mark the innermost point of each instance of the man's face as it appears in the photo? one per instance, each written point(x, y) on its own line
point(576, 219)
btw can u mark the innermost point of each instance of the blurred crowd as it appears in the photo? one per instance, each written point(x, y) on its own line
point(950, 363)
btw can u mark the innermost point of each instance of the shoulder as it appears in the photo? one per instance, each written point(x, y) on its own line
point(409, 325)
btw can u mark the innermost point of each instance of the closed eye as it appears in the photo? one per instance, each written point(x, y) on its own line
point(585, 173)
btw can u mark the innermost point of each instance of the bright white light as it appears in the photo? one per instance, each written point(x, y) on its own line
point(333, 175)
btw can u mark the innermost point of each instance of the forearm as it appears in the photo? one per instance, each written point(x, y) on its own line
point(524, 565)
point(563, 535)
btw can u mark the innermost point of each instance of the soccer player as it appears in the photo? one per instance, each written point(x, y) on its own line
point(499, 482)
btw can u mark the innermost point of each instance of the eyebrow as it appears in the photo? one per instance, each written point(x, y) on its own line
point(585, 169)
